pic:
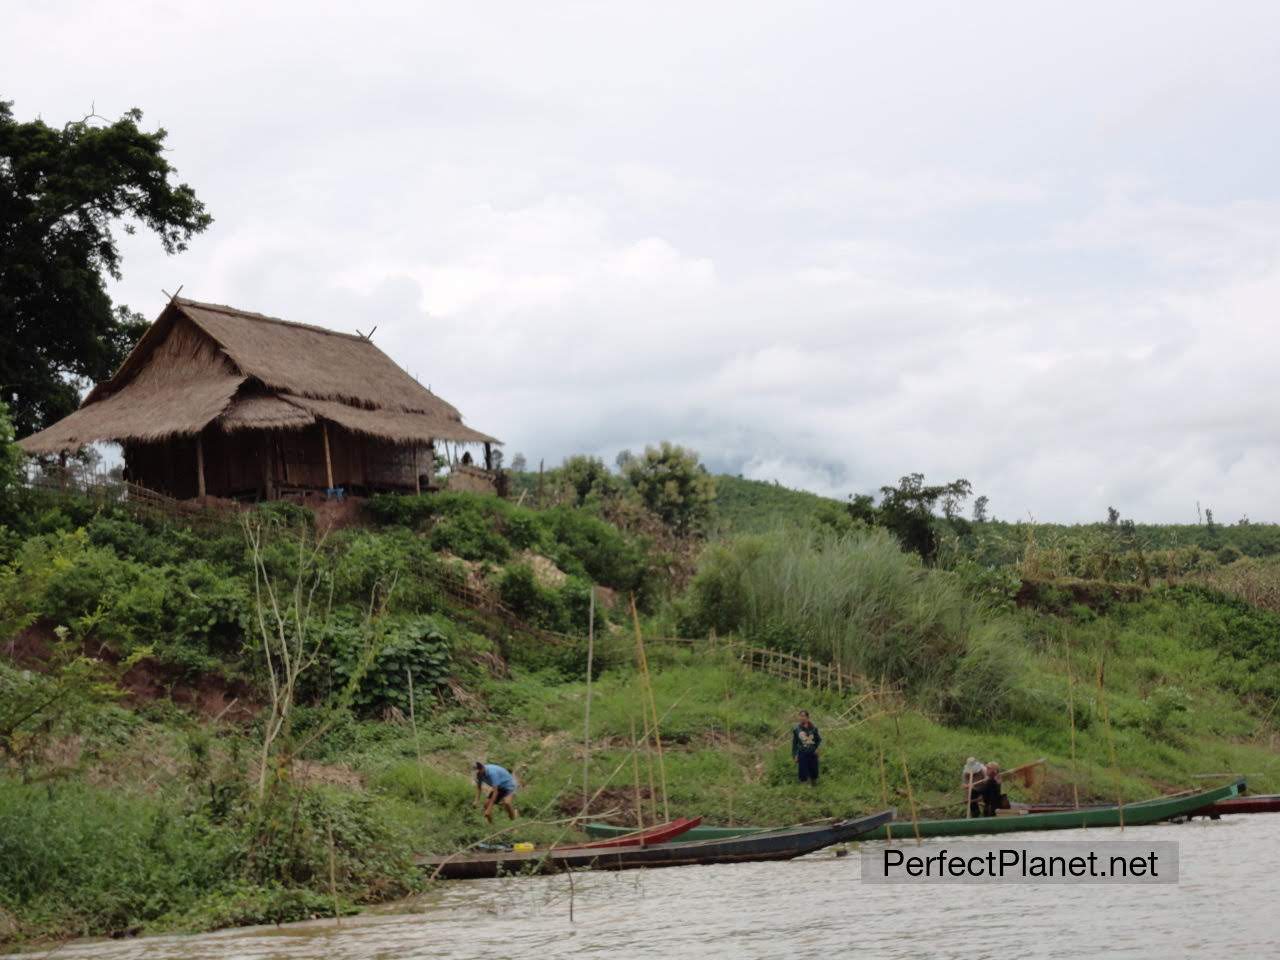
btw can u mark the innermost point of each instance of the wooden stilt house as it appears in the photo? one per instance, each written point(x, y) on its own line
point(221, 402)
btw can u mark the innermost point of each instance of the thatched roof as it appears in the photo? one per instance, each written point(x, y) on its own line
point(202, 364)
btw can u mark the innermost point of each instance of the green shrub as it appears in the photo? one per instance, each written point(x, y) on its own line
point(470, 536)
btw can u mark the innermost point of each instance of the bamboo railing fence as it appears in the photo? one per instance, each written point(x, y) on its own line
point(78, 480)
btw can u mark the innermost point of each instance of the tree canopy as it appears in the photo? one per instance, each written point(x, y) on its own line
point(674, 485)
point(63, 191)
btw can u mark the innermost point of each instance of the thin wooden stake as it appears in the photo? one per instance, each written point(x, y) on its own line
point(333, 875)
point(884, 794)
point(648, 759)
point(1111, 743)
point(586, 719)
point(417, 744)
point(1071, 716)
point(635, 774)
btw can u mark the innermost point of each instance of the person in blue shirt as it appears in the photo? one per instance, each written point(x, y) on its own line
point(502, 785)
point(805, 741)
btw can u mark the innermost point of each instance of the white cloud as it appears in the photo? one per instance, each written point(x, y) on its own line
point(823, 244)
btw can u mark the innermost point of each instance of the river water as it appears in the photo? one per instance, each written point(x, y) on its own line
point(1223, 905)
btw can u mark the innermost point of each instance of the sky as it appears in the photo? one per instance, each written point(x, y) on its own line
point(828, 244)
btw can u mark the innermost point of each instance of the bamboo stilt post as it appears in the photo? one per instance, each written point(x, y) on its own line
point(635, 775)
point(653, 707)
point(200, 466)
point(328, 461)
point(586, 718)
point(417, 472)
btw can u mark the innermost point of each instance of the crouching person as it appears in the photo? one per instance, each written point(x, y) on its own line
point(502, 786)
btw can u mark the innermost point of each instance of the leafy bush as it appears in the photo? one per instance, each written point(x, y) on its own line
point(470, 536)
point(189, 615)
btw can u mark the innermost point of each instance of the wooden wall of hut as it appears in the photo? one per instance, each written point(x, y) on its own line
point(252, 464)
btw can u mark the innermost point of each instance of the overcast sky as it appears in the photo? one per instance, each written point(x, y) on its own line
point(1034, 245)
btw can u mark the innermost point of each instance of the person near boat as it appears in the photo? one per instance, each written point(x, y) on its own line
point(986, 793)
point(805, 741)
point(502, 787)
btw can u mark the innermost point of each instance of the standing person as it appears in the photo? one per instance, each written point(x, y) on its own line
point(805, 740)
point(502, 785)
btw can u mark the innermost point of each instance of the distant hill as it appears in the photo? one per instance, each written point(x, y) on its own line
point(755, 506)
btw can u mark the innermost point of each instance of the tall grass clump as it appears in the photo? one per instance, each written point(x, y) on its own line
point(851, 598)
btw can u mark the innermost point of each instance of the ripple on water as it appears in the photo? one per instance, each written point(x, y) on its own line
point(812, 907)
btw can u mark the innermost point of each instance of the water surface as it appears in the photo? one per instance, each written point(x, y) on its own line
point(1224, 905)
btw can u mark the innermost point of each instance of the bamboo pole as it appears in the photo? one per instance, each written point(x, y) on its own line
point(648, 759)
point(653, 707)
point(906, 774)
point(1071, 717)
point(884, 795)
point(635, 775)
point(1111, 743)
point(586, 718)
point(417, 472)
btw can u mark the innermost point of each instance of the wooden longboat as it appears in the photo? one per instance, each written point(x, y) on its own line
point(659, 833)
point(768, 845)
point(1132, 814)
point(1250, 803)
point(702, 832)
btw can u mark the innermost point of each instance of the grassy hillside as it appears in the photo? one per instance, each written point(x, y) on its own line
point(754, 506)
point(135, 694)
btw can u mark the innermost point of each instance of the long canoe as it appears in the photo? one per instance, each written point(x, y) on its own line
point(661, 833)
point(703, 832)
point(1250, 803)
point(1134, 814)
point(769, 845)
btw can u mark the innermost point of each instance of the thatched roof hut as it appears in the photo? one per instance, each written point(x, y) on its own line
point(222, 401)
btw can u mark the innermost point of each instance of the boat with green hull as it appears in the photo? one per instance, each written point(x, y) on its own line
point(1134, 814)
point(1130, 815)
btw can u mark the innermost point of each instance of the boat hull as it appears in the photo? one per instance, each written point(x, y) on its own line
point(704, 832)
point(1133, 815)
point(660, 833)
point(768, 845)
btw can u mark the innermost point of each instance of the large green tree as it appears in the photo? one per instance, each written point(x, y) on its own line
point(673, 484)
point(63, 192)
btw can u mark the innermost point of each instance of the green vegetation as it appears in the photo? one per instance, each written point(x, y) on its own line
point(753, 506)
point(183, 752)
